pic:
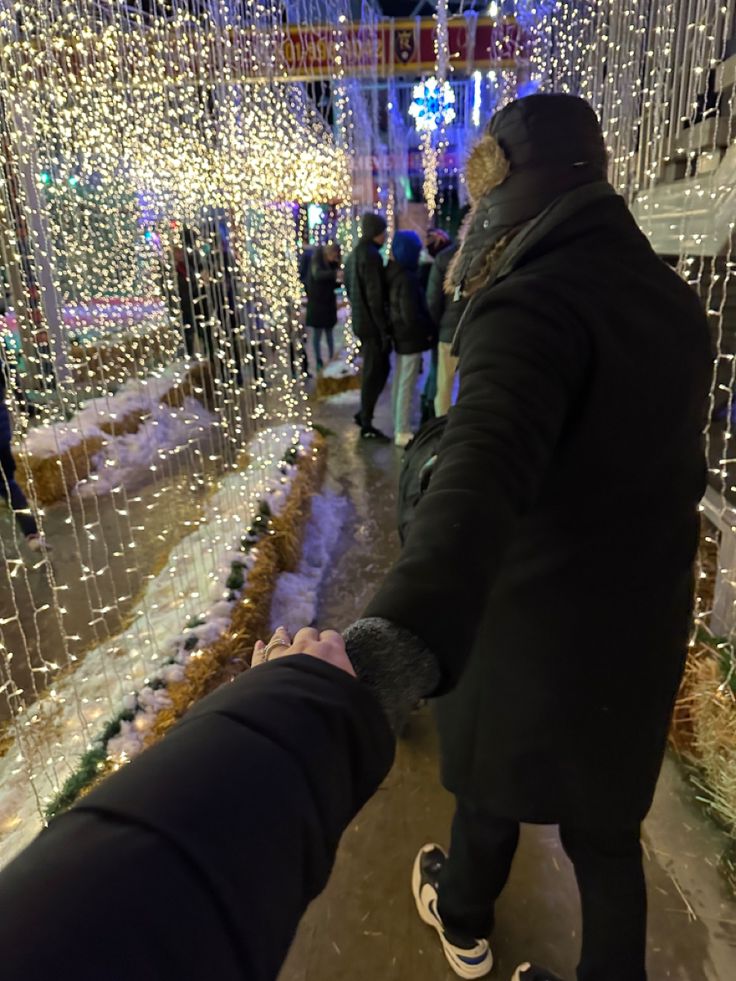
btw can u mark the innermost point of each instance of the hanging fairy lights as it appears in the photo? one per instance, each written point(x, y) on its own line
point(433, 109)
point(152, 168)
point(432, 105)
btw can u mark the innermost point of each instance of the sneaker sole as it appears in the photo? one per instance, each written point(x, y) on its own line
point(462, 970)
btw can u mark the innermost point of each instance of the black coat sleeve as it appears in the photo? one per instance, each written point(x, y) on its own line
point(349, 277)
point(197, 859)
point(522, 365)
point(414, 315)
point(436, 291)
point(375, 291)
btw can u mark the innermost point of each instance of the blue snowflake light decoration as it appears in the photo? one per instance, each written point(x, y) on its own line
point(433, 105)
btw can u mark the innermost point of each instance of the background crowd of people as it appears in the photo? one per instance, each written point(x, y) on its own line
point(398, 308)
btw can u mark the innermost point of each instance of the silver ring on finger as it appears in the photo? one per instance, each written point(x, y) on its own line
point(273, 644)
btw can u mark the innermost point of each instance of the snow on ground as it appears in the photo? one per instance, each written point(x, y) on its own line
point(51, 734)
point(339, 369)
point(123, 457)
point(134, 396)
point(297, 593)
point(351, 397)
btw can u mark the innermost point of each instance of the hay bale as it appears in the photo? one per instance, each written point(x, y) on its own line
point(48, 479)
point(198, 383)
point(125, 425)
point(95, 362)
point(335, 386)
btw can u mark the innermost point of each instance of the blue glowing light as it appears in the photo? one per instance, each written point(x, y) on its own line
point(433, 105)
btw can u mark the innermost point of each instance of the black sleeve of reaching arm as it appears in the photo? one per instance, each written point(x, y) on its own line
point(198, 859)
point(522, 365)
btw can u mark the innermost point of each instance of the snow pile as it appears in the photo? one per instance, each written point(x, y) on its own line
point(297, 593)
point(339, 369)
point(351, 397)
point(123, 457)
point(51, 734)
point(133, 396)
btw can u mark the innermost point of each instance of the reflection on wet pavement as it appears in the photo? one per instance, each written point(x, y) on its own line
point(364, 927)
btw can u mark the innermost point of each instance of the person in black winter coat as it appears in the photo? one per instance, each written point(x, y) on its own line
point(305, 259)
point(210, 845)
point(557, 628)
point(437, 239)
point(412, 328)
point(10, 491)
point(365, 284)
point(321, 300)
point(446, 312)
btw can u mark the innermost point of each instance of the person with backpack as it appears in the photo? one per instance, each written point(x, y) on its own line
point(322, 281)
point(412, 328)
point(365, 285)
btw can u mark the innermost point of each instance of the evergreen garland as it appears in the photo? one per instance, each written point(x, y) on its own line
point(93, 761)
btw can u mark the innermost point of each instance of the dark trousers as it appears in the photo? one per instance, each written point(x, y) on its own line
point(375, 371)
point(610, 877)
point(12, 494)
point(329, 334)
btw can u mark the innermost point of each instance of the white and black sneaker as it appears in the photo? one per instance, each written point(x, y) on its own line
point(532, 972)
point(467, 956)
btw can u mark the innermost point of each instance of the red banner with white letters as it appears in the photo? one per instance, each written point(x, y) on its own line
point(402, 47)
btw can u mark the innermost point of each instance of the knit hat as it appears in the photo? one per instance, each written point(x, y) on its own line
point(534, 150)
point(406, 247)
point(372, 225)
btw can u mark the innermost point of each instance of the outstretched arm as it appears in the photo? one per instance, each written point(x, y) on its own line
point(198, 859)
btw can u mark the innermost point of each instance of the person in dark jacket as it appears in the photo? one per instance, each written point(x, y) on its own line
point(192, 280)
point(411, 325)
point(10, 491)
point(558, 630)
point(436, 240)
point(365, 284)
point(446, 312)
point(321, 300)
point(305, 259)
point(212, 843)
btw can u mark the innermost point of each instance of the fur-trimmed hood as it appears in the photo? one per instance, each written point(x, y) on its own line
point(534, 151)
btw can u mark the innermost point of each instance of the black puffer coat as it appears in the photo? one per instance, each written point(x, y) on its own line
point(236, 814)
point(365, 283)
point(321, 285)
point(550, 565)
point(412, 328)
point(445, 310)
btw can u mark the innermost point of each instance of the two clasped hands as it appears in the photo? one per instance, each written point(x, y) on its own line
point(326, 645)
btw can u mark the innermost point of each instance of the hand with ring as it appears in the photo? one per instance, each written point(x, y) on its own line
point(325, 646)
